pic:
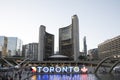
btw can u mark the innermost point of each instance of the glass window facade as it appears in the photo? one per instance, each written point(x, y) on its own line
point(14, 46)
point(49, 45)
point(10, 46)
point(3, 46)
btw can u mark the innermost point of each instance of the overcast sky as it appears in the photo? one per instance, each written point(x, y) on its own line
point(99, 20)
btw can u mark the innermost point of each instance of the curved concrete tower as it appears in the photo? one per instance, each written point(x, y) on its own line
point(69, 39)
point(41, 42)
point(45, 45)
point(75, 34)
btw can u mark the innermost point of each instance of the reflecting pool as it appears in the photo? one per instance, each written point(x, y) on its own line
point(76, 77)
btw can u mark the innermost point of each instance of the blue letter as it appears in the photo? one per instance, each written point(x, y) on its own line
point(39, 69)
point(46, 69)
point(51, 69)
point(70, 68)
point(58, 69)
point(64, 69)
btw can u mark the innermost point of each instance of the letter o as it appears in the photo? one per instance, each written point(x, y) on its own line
point(45, 69)
point(76, 69)
point(58, 69)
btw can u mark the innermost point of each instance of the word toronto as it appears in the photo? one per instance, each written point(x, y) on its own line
point(55, 69)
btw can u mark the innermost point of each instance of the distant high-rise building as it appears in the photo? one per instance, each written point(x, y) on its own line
point(24, 50)
point(3, 46)
point(69, 39)
point(85, 46)
point(93, 54)
point(11, 46)
point(31, 51)
point(45, 45)
point(14, 46)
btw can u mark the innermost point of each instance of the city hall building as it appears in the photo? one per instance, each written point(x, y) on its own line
point(69, 39)
point(68, 42)
point(45, 45)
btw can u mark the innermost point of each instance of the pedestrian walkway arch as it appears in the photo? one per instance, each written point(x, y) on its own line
point(114, 66)
point(108, 58)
